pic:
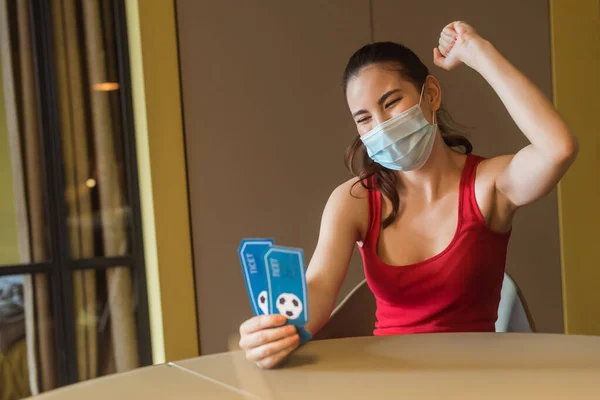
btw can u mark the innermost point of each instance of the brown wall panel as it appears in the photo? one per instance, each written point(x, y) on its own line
point(266, 129)
point(267, 126)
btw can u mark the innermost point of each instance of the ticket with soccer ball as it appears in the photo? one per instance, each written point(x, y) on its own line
point(287, 284)
point(275, 281)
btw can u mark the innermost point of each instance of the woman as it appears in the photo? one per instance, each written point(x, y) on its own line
point(433, 223)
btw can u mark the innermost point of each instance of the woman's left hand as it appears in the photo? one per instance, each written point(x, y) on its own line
point(458, 44)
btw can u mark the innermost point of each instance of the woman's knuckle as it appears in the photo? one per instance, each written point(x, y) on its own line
point(263, 337)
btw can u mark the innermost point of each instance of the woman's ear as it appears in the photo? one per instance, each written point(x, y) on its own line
point(434, 93)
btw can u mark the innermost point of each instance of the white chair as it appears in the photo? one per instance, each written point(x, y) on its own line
point(513, 314)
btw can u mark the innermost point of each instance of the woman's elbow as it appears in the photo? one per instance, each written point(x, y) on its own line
point(567, 153)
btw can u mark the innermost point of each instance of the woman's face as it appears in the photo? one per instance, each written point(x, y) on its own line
point(379, 93)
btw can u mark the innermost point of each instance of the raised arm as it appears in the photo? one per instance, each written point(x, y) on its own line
point(533, 171)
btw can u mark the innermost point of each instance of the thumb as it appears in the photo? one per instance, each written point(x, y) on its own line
point(438, 58)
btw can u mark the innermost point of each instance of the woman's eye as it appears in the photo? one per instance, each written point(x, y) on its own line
point(360, 121)
point(391, 103)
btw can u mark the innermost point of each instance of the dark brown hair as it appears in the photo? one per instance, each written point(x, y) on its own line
point(401, 59)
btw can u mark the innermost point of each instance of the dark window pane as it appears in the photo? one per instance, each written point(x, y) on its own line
point(89, 103)
point(105, 321)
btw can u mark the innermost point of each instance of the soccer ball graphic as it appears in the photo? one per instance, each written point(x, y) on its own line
point(263, 302)
point(289, 304)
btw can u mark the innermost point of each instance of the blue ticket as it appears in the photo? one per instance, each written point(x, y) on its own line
point(251, 253)
point(287, 284)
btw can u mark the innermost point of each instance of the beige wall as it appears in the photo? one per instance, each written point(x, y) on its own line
point(267, 126)
point(162, 178)
point(576, 62)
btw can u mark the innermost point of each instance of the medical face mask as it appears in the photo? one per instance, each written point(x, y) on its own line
point(404, 142)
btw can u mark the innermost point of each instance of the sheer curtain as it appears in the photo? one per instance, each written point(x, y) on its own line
point(24, 137)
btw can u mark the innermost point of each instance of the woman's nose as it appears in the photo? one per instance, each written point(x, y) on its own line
point(380, 118)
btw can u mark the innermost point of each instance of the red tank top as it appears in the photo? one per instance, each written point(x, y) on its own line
point(457, 290)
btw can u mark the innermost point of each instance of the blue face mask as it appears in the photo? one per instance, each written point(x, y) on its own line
point(402, 143)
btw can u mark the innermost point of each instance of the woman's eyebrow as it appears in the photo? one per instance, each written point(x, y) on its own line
point(381, 100)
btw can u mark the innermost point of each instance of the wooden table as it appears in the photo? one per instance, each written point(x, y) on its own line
point(157, 382)
point(448, 366)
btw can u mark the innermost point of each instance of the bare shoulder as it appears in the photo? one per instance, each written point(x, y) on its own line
point(349, 205)
point(350, 194)
point(352, 189)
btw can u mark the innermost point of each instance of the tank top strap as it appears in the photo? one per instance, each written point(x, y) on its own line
point(469, 208)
